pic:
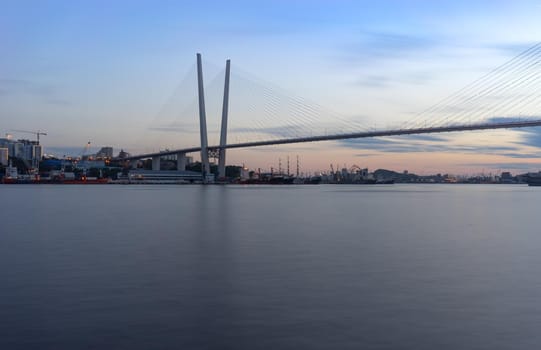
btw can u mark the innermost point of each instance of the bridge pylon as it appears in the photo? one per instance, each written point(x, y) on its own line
point(205, 166)
point(223, 132)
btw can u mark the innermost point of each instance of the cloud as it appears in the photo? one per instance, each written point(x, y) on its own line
point(188, 128)
point(424, 137)
point(25, 87)
point(385, 45)
point(374, 81)
point(530, 137)
point(287, 148)
point(523, 155)
point(284, 131)
point(422, 143)
point(381, 81)
point(16, 86)
point(365, 155)
point(512, 47)
point(497, 166)
point(374, 49)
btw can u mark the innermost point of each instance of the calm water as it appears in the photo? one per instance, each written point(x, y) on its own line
point(308, 267)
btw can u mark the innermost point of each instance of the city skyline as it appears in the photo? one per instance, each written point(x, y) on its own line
point(103, 73)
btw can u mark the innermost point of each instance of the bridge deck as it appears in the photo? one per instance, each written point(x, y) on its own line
point(396, 132)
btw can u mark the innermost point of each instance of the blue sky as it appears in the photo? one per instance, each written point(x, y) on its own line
point(103, 70)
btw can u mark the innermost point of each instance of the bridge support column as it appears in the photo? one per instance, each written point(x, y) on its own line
point(223, 134)
point(156, 163)
point(205, 166)
point(181, 161)
point(133, 163)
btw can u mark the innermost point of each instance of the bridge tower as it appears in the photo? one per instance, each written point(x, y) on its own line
point(223, 132)
point(205, 166)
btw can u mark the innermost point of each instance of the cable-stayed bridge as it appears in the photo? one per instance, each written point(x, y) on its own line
point(504, 98)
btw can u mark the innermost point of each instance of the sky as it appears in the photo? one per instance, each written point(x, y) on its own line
point(121, 73)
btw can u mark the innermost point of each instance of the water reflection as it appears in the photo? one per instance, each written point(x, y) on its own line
point(214, 267)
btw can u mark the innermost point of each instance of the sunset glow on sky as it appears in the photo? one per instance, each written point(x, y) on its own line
point(104, 71)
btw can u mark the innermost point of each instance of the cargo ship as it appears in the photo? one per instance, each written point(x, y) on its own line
point(82, 181)
point(21, 179)
point(26, 179)
point(11, 176)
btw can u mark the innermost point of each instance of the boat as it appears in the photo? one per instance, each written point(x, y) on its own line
point(313, 180)
point(12, 176)
point(85, 181)
point(281, 180)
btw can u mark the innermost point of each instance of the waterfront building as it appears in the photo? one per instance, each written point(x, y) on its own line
point(17, 149)
point(4, 154)
point(4, 142)
point(105, 152)
point(506, 177)
point(29, 151)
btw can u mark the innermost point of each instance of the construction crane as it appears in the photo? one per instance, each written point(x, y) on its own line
point(37, 133)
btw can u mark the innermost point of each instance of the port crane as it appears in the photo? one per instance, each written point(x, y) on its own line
point(37, 133)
